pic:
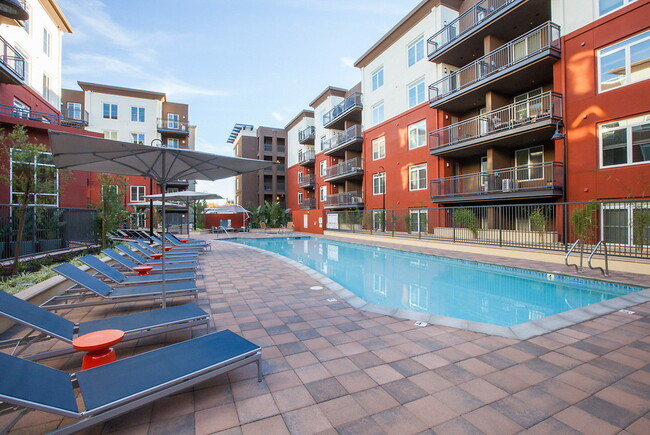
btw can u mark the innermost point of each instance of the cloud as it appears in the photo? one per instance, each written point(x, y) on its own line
point(346, 61)
point(277, 116)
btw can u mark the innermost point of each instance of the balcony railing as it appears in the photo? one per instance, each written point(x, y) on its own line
point(308, 204)
point(349, 167)
point(523, 113)
point(306, 157)
point(172, 125)
point(538, 177)
point(76, 115)
point(307, 181)
point(465, 23)
point(12, 60)
point(347, 137)
point(307, 135)
point(343, 108)
point(347, 199)
point(544, 37)
point(47, 118)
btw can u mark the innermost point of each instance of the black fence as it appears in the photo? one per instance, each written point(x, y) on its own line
point(623, 225)
point(46, 229)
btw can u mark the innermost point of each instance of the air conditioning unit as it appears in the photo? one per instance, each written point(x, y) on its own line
point(508, 185)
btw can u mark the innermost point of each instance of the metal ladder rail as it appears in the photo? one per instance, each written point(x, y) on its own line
point(225, 231)
point(605, 271)
point(566, 257)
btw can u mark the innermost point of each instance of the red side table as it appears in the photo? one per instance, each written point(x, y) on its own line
point(168, 248)
point(184, 241)
point(156, 256)
point(142, 270)
point(98, 347)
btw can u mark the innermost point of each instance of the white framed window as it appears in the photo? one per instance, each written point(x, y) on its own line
point(20, 110)
point(299, 177)
point(137, 138)
point(109, 111)
point(418, 177)
point(625, 142)
point(25, 23)
point(323, 168)
point(379, 148)
point(22, 65)
point(625, 62)
point(378, 113)
point(378, 218)
point(45, 176)
point(528, 104)
point(46, 88)
point(299, 197)
point(110, 134)
point(379, 184)
point(47, 41)
point(607, 6)
point(137, 193)
point(378, 78)
point(73, 110)
point(529, 163)
point(173, 121)
point(416, 92)
point(626, 223)
point(173, 143)
point(417, 134)
point(415, 51)
point(323, 142)
point(323, 193)
point(137, 114)
point(418, 220)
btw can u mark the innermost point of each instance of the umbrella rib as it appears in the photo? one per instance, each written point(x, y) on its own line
point(170, 165)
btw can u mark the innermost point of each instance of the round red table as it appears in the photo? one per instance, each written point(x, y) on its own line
point(156, 256)
point(168, 248)
point(142, 270)
point(98, 347)
point(184, 241)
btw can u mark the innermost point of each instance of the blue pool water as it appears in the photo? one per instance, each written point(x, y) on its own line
point(437, 285)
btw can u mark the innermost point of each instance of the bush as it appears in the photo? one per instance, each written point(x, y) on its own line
point(465, 218)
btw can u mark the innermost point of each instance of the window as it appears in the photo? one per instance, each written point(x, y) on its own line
point(415, 51)
point(379, 184)
point(137, 114)
point(323, 168)
point(73, 110)
point(626, 224)
point(378, 113)
point(624, 63)
point(25, 23)
point(22, 65)
point(46, 41)
point(137, 137)
point(379, 148)
point(416, 93)
point(37, 171)
point(378, 220)
point(172, 121)
point(418, 177)
point(137, 193)
point(607, 6)
point(625, 142)
point(110, 111)
point(299, 197)
point(529, 163)
point(418, 220)
point(172, 143)
point(323, 193)
point(46, 88)
point(378, 78)
point(323, 142)
point(417, 134)
point(138, 220)
point(528, 104)
point(299, 177)
point(110, 134)
point(21, 110)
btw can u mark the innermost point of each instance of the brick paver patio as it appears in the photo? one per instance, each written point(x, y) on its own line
point(330, 368)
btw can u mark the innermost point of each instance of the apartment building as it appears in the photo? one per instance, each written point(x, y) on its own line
point(301, 159)
point(261, 143)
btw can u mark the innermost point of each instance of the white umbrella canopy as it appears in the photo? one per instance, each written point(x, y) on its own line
point(93, 154)
point(187, 196)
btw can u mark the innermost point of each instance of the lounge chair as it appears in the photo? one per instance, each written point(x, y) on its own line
point(144, 260)
point(147, 250)
point(190, 242)
point(119, 278)
point(111, 295)
point(157, 267)
point(124, 385)
point(178, 247)
point(50, 325)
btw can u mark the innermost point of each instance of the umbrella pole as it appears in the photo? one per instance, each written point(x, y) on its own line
point(164, 236)
point(151, 207)
point(188, 217)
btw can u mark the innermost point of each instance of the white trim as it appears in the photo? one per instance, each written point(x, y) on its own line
point(643, 119)
point(381, 176)
point(413, 127)
point(417, 168)
point(377, 141)
point(628, 61)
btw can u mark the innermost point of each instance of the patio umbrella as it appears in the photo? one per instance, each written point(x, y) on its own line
point(187, 196)
point(92, 154)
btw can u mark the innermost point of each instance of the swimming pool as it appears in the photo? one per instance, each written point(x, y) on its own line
point(440, 286)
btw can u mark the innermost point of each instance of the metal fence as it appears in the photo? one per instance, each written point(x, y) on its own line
point(351, 102)
point(623, 225)
point(46, 229)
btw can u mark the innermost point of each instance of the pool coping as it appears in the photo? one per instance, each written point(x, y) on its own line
point(522, 331)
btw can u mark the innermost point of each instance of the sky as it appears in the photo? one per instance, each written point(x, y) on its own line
point(256, 62)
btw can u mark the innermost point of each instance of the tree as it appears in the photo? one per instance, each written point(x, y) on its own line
point(198, 209)
point(465, 218)
point(111, 211)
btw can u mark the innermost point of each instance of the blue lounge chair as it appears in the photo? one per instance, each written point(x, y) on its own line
point(157, 268)
point(124, 385)
point(178, 247)
point(110, 295)
point(119, 278)
point(144, 260)
point(191, 242)
point(146, 250)
point(50, 325)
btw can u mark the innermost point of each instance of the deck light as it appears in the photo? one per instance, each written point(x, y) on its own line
point(557, 135)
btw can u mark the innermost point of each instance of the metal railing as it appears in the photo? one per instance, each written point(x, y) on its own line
point(514, 52)
point(48, 118)
point(81, 117)
point(534, 177)
point(46, 229)
point(280, 148)
point(351, 135)
point(308, 180)
point(173, 125)
point(623, 225)
point(307, 134)
point(522, 113)
point(12, 59)
point(346, 199)
point(349, 167)
point(345, 106)
point(306, 156)
point(308, 204)
point(466, 22)
point(268, 186)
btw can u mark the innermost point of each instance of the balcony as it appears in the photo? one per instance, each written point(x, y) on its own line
point(508, 70)
point(347, 110)
point(75, 115)
point(348, 140)
point(461, 41)
point(344, 200)
point(12, 64)
point(307, 136)
point(47, 118)
point(173, 126)
point(527, 121)
point(307, 182)
point(179, 184)
point(350, 169)
point(530, 181)
point(308, 204)
point(306, 157)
